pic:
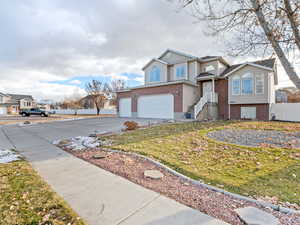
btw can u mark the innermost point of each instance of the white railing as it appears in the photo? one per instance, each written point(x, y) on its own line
point(208, 97)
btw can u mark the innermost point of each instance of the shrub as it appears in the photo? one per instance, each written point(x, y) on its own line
point(131, 125)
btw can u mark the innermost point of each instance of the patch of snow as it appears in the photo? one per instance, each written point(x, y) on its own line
point(81, 143)
point(56, 142)
point(7, 156)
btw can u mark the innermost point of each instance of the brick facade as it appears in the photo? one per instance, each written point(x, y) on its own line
point(262, 111)
point(175, 89)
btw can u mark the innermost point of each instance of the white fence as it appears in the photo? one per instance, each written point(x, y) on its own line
point(286, 111)
point(84, 111)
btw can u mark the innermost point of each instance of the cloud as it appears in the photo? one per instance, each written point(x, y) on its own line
point(54, 40)
point(75, 82)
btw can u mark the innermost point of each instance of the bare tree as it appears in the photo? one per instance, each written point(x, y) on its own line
point(99, 93)
point(72, 102)
point(115, 86)
point(255, 26)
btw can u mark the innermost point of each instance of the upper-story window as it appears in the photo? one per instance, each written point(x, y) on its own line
point(180, 72)
point(236, 85)
point(259, 84)
point(247, 84)
point(209, 68)
point(155, 74)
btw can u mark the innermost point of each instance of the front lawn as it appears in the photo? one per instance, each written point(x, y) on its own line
point(27, 200)
point(252, 171)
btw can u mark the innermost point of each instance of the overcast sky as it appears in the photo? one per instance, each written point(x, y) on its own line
point(50, 48)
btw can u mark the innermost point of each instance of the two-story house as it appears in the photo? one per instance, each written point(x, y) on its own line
point(12, 103)
point(178, 85)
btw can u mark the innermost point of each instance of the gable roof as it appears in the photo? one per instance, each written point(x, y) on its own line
point(177, 53)
point(152, 60)
point(19, 97)
point(2, 94)
point(264, 64)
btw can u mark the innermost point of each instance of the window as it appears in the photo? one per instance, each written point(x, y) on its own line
point(155, 74)
point(236, 85)
point(209, 68)
point(248, 113)
point(247, 84)
point(180, 72)
point(259, 84)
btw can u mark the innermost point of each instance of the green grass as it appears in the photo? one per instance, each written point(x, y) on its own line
point(27, 200)
point(245, 170)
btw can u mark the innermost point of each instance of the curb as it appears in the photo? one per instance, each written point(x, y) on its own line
point(212, 188)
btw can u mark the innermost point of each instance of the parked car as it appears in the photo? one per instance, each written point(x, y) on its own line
point(34, 111)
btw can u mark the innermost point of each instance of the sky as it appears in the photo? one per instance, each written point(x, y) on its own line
point(51, 48)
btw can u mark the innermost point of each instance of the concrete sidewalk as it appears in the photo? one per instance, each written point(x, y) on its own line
point(98, 196)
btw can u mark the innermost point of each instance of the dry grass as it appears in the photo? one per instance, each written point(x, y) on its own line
point(27, 200)
point(252, 171)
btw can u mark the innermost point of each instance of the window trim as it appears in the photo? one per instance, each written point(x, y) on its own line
point(232, 86)
point(185, 66)
point(150, 74)
point(263, 84)
point(242, 83)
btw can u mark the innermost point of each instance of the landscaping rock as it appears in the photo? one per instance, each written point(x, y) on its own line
point(99, 156)
point(254, 216)
point(153, 174)
point(258, 138)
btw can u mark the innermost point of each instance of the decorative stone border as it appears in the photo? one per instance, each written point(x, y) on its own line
point(210, 187)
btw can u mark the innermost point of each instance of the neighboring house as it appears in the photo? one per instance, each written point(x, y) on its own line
point(178, 85)
point(12, 103)
point(281, 96)
point(288, 94)
point(88, 103)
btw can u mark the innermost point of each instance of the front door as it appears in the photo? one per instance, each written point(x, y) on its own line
point(207, 87)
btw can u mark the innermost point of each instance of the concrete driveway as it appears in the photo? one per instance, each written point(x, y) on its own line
point(98, 196)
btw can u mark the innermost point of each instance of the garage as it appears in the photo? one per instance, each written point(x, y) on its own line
point(156, 106)
point(3, 111)
point(125, 107)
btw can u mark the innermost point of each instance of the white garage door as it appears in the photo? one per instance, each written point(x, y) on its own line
point(125, 107)
point(3, 111)
point(156, 106)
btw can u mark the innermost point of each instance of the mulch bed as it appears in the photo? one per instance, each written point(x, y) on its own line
point(258, 138)
point(209, 202)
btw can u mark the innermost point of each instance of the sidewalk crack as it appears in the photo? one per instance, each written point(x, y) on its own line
point(138, 210)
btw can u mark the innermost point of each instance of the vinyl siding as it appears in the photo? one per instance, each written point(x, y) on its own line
point(253, 98)
point(172, 58)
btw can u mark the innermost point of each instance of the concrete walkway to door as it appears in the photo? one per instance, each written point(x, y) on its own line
point(98, 196)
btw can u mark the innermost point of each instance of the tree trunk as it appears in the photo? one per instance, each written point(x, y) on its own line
point(289, 69)
point(98, 111)
point(290, 15)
